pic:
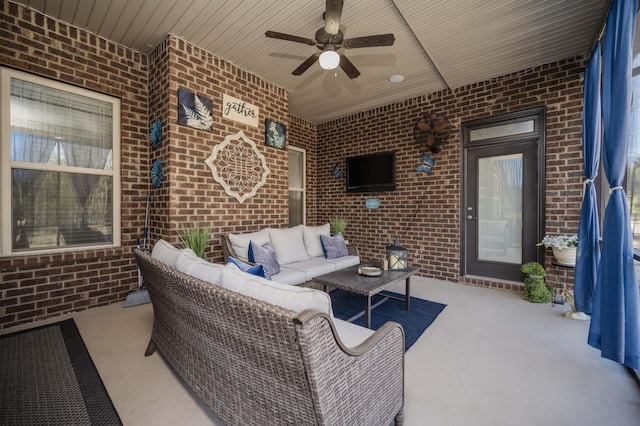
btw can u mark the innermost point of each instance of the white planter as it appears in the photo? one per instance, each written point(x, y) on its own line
point(566, 257)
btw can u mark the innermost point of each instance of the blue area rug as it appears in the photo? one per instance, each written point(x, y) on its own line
point(350, 307)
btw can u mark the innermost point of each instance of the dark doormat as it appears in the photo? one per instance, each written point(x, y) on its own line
point(47, 377)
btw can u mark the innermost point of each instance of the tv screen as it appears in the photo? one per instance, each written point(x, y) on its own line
point(372, 173)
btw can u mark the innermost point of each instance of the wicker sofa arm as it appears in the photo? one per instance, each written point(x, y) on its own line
point(366, 382)
point(227, 248)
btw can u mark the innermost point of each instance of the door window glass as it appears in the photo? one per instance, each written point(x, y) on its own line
point(500, 208)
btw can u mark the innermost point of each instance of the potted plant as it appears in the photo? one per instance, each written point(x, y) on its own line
point(338, 225)
point(535, 289)
point(196, 238)
point(564, 248)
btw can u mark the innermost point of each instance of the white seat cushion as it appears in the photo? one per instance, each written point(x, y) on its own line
point(165, 253)
point(351, 334)
point(288, 244)
point(294, 298)
point(240, 242)
point(311, 236)
point(313, 268)
point(340, 262)
point(289, 276)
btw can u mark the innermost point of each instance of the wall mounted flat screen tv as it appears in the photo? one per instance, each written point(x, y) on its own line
point(372, 172)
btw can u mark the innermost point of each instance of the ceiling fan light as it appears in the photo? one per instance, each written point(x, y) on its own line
point(329, 58)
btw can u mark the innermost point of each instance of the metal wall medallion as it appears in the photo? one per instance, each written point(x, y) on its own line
point(238, 166)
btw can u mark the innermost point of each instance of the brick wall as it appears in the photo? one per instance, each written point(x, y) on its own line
point(424, 211)
point(189, 193)
point(40, 286)
point(34, 287)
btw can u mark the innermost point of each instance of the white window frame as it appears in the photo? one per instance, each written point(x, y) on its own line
point(6, 74)
point(304, 182)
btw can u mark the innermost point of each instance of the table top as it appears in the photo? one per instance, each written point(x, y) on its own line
point(348, 279)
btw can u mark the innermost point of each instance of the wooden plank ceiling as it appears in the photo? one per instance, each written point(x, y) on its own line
point(438, 44)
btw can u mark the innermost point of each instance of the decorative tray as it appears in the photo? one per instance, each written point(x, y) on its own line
point(369, 271)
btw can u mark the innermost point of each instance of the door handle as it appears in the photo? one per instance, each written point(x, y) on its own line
point(469, 217)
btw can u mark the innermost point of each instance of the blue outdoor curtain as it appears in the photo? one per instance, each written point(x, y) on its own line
point(615, 321)
point(588, 256)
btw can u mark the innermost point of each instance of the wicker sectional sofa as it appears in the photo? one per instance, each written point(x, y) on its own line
point(298, 249)
point(262, 353)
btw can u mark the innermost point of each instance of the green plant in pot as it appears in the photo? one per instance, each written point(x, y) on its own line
point(338, 225)
point(535, 289)
point(196, 237)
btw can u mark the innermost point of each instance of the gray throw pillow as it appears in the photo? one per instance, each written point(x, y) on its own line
point(264, 255)
point(334, 247)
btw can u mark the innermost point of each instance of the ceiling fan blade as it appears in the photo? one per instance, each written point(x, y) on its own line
point(332, 15)
point(424, 125)
point(348, 67)
point(369, 41)
point(441, 126)
point(431, 140)
point(306, 64)
point(289, 37)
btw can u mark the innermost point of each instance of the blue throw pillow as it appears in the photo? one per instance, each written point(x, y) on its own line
point(334, 247)
point(257, 270)
point(264, 255)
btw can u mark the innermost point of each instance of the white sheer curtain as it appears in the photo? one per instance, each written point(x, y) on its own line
point(61, 133)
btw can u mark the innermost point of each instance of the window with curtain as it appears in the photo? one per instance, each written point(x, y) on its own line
point(60, 165)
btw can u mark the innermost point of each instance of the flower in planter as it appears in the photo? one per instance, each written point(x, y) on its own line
point(559, 241)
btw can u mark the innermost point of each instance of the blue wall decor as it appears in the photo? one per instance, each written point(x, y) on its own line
point(428, 163)
point(336, 172)
point(372, 203)
point(195, 111)
point(157, 173)
point(275, 134)
point(155, 135)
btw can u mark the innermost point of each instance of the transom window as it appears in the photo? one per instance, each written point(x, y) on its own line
point(60, 157)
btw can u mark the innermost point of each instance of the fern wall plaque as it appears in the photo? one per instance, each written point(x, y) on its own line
point(238, 166)
point(194, 110)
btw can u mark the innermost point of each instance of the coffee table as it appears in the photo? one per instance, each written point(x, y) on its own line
point(349, 280)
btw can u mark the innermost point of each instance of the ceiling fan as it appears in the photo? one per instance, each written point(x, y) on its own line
point(329, 39)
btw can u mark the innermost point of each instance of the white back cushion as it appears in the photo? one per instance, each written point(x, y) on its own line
point(165, 253)
point(288, 244)
point(294, 298)
point(189, 263)
point(240, 242)
point(311, 236)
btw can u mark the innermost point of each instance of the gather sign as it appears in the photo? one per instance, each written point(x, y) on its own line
point(240, 111)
